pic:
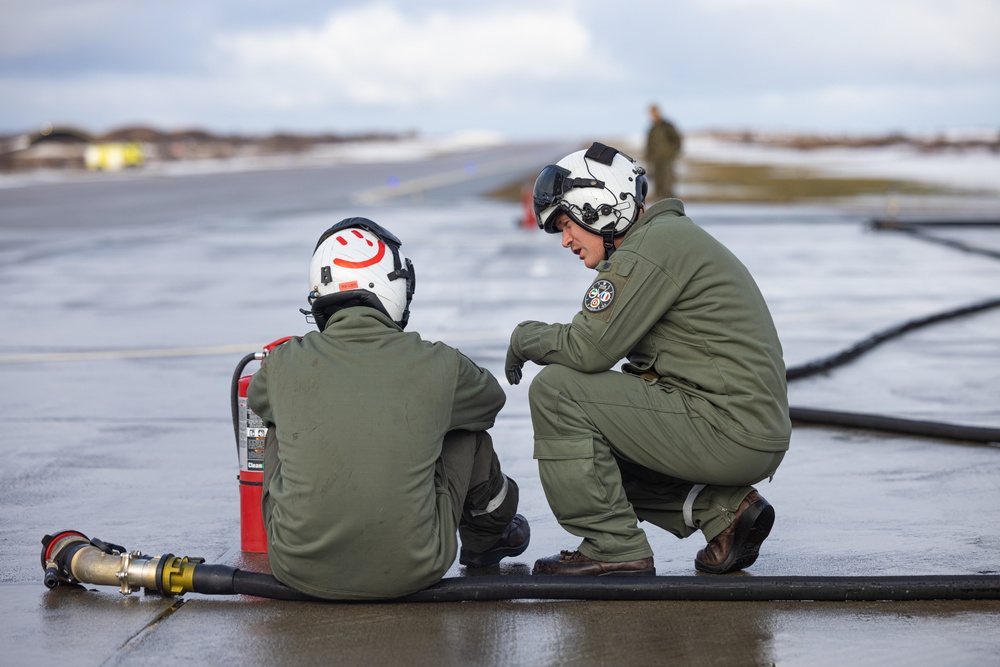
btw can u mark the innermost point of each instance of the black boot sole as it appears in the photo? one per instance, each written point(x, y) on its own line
point(491, 557)
point(614, 573)
point(751, 531)
point(630, 573)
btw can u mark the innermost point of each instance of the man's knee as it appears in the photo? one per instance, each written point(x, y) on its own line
point(549, 381)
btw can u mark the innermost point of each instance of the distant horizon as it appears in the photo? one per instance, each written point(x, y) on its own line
point(955, 133)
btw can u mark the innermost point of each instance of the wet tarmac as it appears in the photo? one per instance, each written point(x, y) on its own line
point(122, 323)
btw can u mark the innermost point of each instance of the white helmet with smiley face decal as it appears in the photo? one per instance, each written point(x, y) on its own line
point(357, 263)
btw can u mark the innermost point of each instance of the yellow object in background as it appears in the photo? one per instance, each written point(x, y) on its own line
point(113, 156)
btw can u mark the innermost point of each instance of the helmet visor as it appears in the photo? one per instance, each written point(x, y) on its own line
point(552, 185)
point(549, 188)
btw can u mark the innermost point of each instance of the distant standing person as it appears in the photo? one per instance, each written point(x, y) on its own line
point(663, 146)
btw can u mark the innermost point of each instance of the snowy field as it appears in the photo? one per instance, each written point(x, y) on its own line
point(972, 169)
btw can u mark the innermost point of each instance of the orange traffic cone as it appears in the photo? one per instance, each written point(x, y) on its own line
point(528, 220)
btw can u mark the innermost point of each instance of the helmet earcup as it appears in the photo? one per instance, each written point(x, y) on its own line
point(641, 188)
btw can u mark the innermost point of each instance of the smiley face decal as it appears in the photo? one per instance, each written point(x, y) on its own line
point(356, 241)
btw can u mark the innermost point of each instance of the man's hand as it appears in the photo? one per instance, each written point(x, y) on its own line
point(512, 366)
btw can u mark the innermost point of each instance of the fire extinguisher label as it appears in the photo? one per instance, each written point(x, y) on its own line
point(256, 433)
point(252, 444)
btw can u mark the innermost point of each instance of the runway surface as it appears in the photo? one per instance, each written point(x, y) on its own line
point(126, 303)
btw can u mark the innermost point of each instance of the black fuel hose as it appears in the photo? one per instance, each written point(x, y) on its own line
point(223, 580)
point(856, 350)
point(916, 228)
point(694, 588)
point(70, 557)
point(982, 434)
point(880, 422)
point(896, 224)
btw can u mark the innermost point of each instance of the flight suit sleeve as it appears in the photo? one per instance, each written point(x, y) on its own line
point(257, 395)
point(478, 397)
point(626, 300)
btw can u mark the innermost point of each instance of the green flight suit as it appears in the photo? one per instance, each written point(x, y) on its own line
point(701, 400)
point(377, 452)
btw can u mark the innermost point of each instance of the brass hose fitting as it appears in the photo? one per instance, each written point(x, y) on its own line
point(70, 557)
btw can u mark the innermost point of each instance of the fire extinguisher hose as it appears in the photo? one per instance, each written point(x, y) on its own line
point(234, 393)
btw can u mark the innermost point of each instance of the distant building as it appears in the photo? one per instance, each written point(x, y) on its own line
point(50, 147)
point(68, 148)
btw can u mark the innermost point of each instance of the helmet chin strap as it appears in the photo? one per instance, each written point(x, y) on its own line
point(608, 236)
point(609, 244)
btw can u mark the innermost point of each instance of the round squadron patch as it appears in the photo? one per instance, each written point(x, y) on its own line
point(599, 297)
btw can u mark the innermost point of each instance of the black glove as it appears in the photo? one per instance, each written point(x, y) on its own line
point(512, 366)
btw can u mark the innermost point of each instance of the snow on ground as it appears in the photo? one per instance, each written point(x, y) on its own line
point(972, 168)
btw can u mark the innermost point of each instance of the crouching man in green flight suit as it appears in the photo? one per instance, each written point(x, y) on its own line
point(377, 450)
point(698, 413)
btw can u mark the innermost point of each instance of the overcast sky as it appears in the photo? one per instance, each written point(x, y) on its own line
point(523, 69)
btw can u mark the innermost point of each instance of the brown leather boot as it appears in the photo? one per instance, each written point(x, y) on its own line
point(738, 546)
point(575, 563)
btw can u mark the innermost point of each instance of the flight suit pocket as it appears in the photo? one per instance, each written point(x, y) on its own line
point(569, 477)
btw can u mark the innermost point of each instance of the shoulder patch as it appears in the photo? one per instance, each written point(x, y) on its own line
point(600, 296)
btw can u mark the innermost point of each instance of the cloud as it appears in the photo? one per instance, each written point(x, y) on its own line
point(32, 28)
point(377, 55)
point(524, 67)
point(860, 40)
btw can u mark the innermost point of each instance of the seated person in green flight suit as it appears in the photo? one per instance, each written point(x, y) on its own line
point(377, 449)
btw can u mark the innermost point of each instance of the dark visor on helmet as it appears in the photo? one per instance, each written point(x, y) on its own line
point(552, 183)
point(548, 187)
point(363, 223)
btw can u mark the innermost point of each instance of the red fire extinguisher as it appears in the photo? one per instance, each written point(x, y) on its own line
point(250, 435)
